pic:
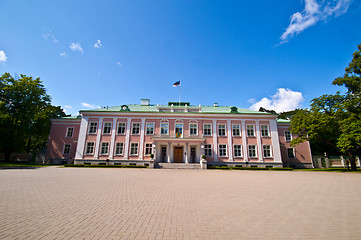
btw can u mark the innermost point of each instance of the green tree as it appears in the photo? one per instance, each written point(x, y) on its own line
point(25, 112)
point(335, 119)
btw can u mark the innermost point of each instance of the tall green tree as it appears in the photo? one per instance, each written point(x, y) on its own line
point(25, 112)
point(335, 119)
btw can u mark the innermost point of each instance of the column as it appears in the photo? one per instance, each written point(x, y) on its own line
point(186, 152)
point(112, 141)
point(215, 140)
point(99, 134)
point(275, 141)
point(127, 139)
point(169, 150)
point(141, 147)
point(244, 140)
point(259, 142)
point(230, 144)
point(81, 139)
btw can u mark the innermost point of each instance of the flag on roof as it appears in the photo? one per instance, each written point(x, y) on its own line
point(176, 84)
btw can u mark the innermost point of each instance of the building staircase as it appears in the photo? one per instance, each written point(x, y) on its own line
point(178, 165)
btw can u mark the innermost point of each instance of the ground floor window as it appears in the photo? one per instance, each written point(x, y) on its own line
point(208, 150)
point(222, 150)
point(105, 148)
point(148, 149)
point(252, 151)
point(134, 149)
point(90, 148)
point(291, 152)
point(237, 149)
point(66, 150)
point(267, 151)
point(119, 148)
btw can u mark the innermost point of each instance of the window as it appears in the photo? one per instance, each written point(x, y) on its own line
point(252, 151)
point(66, 150)
point(69, 132)
point(150, 128)
point(250, 130)
point(264, 131)
point(236, 130)
point(221, 130)
point(164, 128)
point(134, 149)
point(93, 127)
point(207, 129)
point(105, 148)
point(148, 148)
point(222, 150)
point(179, 129)
point(90, 148)
point(208, 150)
point(291, 152)
point(119, 148)
point(193, 129)
point(121, 128)
point(237, 149)
point(135, 128)
point(267, 151)
point(288, 136)
point(107, 127)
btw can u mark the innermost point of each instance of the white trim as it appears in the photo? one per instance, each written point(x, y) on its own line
point(286, 137)
point(81, 138)
point(254, 130)
point(145, 148)
point(220, 151)
point(111, 126)
point(259, 143)
point(211, 129)
point(275, 142)
point(127, 139)
point(142, 133)
point(86, 149)
point(175, 126)
point(125, 128)
point(115, 149)
point(66, 154)
point(99, 133)
point(130, 149)
point(135, 134)
point(294, 153)
point(244, 140)
point(230, 145)
point(215, 140)
point(67, 131)
point(189, 127)
point(234, 155)
point(270, 149)
point(164, 134)
point(112, 139)
point(101, 146)
point(210, 149)
point(255, 149)
point(268, 131)
point(89, 126)
point(146, 128)
point(240, 131)
point(225, 129)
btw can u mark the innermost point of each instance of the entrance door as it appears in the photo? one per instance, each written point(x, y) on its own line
point(193, 154)
point(178, 154)
point(163, 154)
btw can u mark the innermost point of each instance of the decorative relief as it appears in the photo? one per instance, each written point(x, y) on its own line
point(164, 120)
point(179, 120)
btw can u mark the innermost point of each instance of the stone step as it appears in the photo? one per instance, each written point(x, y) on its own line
point(178, 165)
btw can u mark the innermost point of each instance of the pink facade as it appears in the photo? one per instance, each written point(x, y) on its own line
point(182, 134)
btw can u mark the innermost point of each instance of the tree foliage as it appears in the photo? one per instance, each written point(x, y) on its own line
point(25, 112)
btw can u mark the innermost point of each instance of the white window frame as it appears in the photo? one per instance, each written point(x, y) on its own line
point(90, 127)
point(239, 129)
point(268, 133)
point(270, 151)
point(134, 128)
point(148, 147)
point(190, 133)
point(107, 148)
point(122, 152)
point(294, 154)
point(146, 128)
point(86, 148)
point(219, 150)
point(67, 132)
point(125, 128)
point(234, 151)
point(131, 147)
point(175, 126)
point(65, 144)
point(161, 127)
point(211, 149)
point(289, 135)
point(210, 124)
point(255, 150)
point(225, 129)
point(253, 127)
point(107, 125)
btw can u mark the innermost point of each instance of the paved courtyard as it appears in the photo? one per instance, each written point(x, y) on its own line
point(96, 203)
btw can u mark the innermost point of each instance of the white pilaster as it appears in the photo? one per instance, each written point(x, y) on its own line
point(169, 151)
point(244, 140)
point(81, 139)
point(142, 132)
point(275, 141)
point(99, 134)
point(230, 145)
point(186, 152)
point(259, 142)
point(127, 138)
point(215, 140)
point(112, 141)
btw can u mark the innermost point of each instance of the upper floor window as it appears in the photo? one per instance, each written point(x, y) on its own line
point(107, 127)
point(69, 132)
point(222, 150)
point(221, 130)
point(267, 151)
point(89, 148)
point(66, 150)
point(164, 128)
point(288, 136)
point(208, 150)
point(236, 130)
point(150, 128)
point(250, 130)
point(93, 127)
point(135, 128)
point(207, 129)
point(121, 128)
point(252, 151)
point(237, 149)
point(179, 129)
point(264, 131)
point(193, 129)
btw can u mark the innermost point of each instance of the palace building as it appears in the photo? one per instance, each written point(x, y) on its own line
point(177, 133)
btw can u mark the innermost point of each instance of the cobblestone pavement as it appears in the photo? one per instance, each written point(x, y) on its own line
point(76, 203)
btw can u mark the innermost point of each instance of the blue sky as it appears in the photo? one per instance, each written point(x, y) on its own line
point(275, 54)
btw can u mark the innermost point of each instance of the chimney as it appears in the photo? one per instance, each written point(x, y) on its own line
point(215, 104)
point(144, 102)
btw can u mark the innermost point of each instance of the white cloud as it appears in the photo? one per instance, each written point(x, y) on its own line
point(3, 56)
point(283, 100)
point(91, 106)
point(49, 35)
point(68, 107)
point(98, 44)
point(63, 54)
point(119, 64)
point(76, 47)
point(314, 11)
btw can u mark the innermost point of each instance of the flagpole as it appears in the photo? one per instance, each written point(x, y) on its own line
point(179, 93)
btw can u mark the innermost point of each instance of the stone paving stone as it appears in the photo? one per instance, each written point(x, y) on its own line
point(76, 203)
